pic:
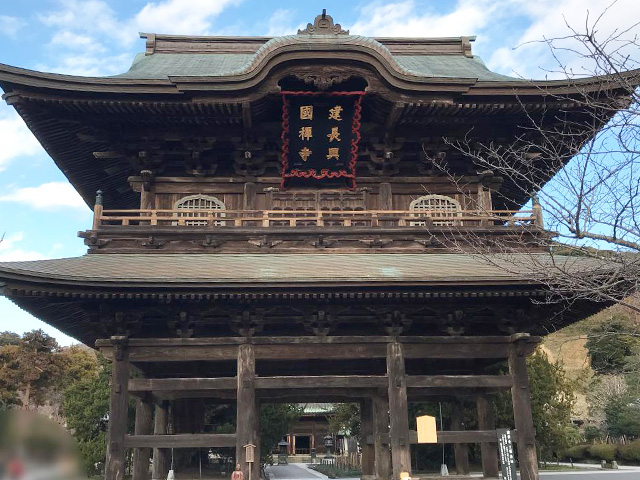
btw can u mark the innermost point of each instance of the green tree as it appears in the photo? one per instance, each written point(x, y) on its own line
point(275, 421)
point(30, 369)
point(552, 398)
point(612, 346)
point(86, 409)
point(345, 418)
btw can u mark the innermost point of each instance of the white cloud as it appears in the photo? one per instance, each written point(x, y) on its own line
point(280, 23)
point(176, 16)
point(48, 196)
point(16, 139)
point(9, 252)
point(549, 19)
point(10, 26)
point(401, 19)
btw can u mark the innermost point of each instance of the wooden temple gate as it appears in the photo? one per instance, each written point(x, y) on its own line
point(235, 258)
point(383, 398)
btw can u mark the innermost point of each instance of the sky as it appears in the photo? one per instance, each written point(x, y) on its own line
point(40, 212)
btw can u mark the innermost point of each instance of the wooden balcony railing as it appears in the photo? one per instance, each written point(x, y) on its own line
point(315, 218)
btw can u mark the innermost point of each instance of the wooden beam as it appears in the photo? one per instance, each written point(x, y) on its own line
point(185, 440)
point(181, 384)
point(462, 436)
point(336, 381)
point(459, 381)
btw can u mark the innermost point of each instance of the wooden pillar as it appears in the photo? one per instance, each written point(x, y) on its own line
point(521, 396)
point(366, 432)
point(161, 456)
point(489, 451)
point(247, 416)
point(385, 198)
point(144, 426)
point(118, 406)
point(249, 196)
point(382, 455)
point(398, 410)
point(460, 450)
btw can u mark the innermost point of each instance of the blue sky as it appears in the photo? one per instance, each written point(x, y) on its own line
point(40, 213)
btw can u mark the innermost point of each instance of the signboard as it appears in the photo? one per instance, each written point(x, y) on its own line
point(505, 451)
point(427, 429)
point(250, 453)
point(320, 136)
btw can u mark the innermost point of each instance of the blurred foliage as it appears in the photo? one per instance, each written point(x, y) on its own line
point(275, 422)
point(613, 346)
point(345, 418)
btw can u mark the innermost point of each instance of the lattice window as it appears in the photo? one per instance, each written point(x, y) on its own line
point(436, 206)
point(199, 202)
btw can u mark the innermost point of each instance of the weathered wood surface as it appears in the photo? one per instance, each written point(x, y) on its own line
point(382, 455)
point(366, 431)
point(180, 384)
point(460, 381)
point(488, 450)
point(247, 428)
point(143, 426)
point(118, 411)
point(320, 382)
point(460, 450)
point(294, 348)
point(161, 456)
point(462, 436)
point(398, 411)
point(184, 440)
point(521, 398)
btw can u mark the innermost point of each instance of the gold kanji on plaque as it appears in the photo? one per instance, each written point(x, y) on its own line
point(306, 112)
point(334, 113)
point(305, 133)
point(334, 135)
point(334, 152)
point(305, 153)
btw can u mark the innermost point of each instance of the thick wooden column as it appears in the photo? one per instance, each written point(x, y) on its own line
point(487, 421)
point(382, 454)
point(460, 450)
point(521, 396)
point(247, 416)
point(398, 410)
point(161, 456)
point(144, 426)
point(366, 432)
point(118, 406)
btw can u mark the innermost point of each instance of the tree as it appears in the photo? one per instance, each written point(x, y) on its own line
point(552, 398)
point(345, 418)
point(30, 368)
point(275, 421)
point(592, 145)
point(611, 348)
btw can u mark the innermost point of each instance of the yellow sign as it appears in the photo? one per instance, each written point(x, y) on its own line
point(427, 429)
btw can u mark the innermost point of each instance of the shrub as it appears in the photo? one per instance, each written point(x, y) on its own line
point(630, 452)
point(592, 433)
point(602, 451)
point(578, 452)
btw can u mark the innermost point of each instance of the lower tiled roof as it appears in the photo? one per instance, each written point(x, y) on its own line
point(215, 269)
